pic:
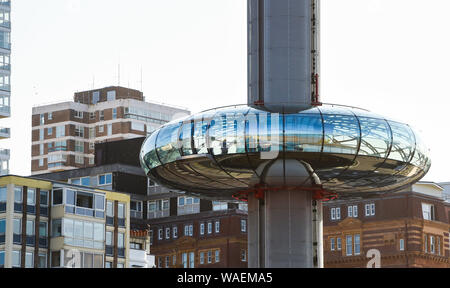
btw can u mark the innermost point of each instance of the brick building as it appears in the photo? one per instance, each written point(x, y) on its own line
point(410, 229)
point(64, 134)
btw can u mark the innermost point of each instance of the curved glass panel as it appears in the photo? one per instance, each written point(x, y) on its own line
point(375, 137)
point(201, 126)
point(264, 131)
point(167, 143)
point(403, 142)
point(149, 149)
point(342, 134)
point(186, 137)
point(303, 133)
point(335, 110)
point(420, 158)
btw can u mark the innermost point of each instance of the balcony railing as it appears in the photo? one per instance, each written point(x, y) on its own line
point(5, 110)
point(5, 4)
point(5, 132)
point(5, 24)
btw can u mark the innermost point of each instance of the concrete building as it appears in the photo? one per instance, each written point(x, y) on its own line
point(5, 79)
point(410, 229)
point(155, 207)
point(50, 224)
point(64, 134)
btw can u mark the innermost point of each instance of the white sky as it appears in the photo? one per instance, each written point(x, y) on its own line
point(389, 56)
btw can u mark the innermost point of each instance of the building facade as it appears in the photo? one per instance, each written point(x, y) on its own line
point(5, 79)
point(64, 135)
point(409, 229)
point(47, 224)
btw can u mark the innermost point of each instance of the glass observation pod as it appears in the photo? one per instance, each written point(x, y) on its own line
point(348, 151)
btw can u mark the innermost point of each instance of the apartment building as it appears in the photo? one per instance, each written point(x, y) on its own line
point(154, 208)
point(408, 229)
point(5, 79)
point(47, 224)
point(64, 134)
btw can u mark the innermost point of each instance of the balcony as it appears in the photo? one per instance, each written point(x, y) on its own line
point(5, 133)
point(5, 112)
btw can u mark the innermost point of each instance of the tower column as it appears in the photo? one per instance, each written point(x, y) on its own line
point(281, 230)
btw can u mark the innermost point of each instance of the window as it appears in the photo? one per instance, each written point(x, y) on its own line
point(114, 113)
point(60, 131)
point(428, 212)
point(50, 116)
point(109, 238)
point(332, 244)
point(243, 255)
point(209, 228)
point(175, 232)
point(29, 262)
point(102, 115)
point(3, 192)
point(42, 262)
point(79, 159)
point(217, 260)
point(220, 206)
point(109, 209)
point(16, 259)
point(57, 197)
point(101, 129)
point(349, 245)
point(2, 228)
point(438, 245)
point(105, 179)
point(202, 229)
point(41, 149)
point(209, 257)
point(41, 134)
point(43, 198)
point(79, 131)
point(41, 162)
point(160, 234)
point(109, 126)
point(167, 233)
point(432, 245)
point(2, 259)
point(353, 211)
point(335, 213)
point(30, 228)
point(111, 95)
point(425, 243)
point(95, 97)
point(339, 244)
point(136, 209)
point(188, 205)
point(50, 131)
point(79, 146)
point(31, 197)
point(217, 226)
point(370, 210)
point(202, 258)
point(57, 228)
point(402, 245)
point(191, 230)
point(43, 230)
point(79, 114)
point(18, 194)
point(167, 261)
point(42, 119)
point(188, 230)
point(244, 226)
point(357, 244)
point(121, 240)
point(121, 211)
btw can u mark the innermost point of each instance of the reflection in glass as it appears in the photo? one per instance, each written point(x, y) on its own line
point(304, 133)
point(375, 137)
point(342, 134)
point(403, 142)
point(167, 143)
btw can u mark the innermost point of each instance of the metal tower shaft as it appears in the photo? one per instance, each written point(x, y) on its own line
point(283, 48)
